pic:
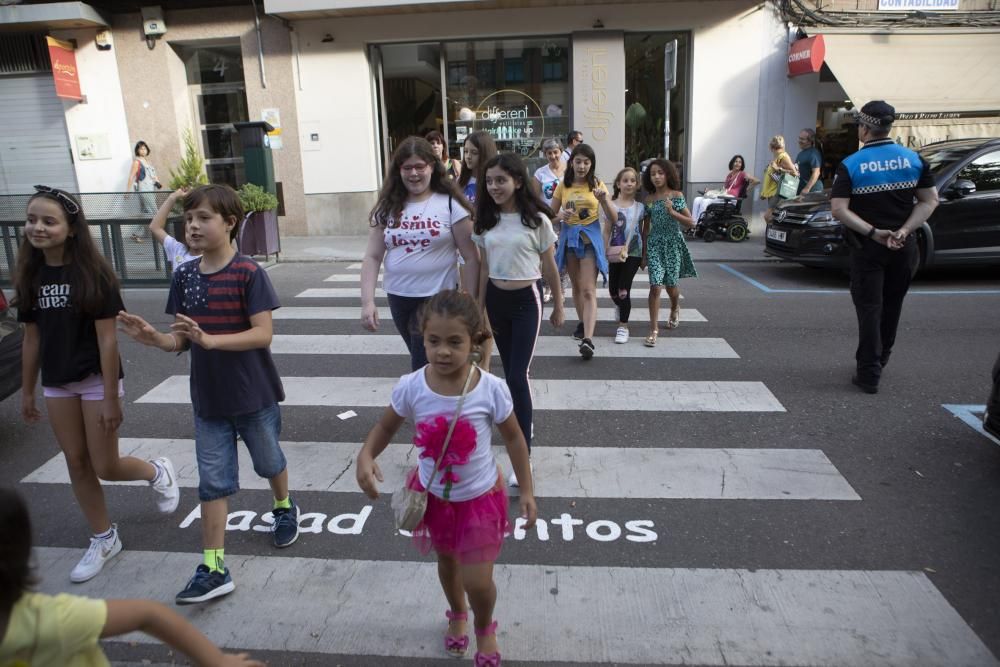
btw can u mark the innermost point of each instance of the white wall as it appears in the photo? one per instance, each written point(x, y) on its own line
point(103, 113)
point(335, 100)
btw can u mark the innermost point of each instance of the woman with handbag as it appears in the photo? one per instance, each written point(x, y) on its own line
point(142, 178)
point(623, 239)
point(781, 177)
point(455, 501)
point(515, 237)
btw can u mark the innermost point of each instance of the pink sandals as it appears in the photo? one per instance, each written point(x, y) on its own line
point(456, 646)
point(492, 660)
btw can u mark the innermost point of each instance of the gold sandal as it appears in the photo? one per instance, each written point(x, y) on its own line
point(675, 319)
point(651, 339)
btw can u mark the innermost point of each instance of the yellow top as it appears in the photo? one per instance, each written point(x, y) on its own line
point(54, 631)
point(581, 200)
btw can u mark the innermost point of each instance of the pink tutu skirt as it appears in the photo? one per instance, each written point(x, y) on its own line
point(471, 531)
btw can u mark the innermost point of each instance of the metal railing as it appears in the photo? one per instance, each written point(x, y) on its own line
point(119, 225)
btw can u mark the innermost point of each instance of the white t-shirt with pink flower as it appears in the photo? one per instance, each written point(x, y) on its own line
point(469, 468)
point(420, 253)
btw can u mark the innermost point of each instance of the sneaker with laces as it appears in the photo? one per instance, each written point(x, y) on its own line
point(206, 585)
point(621, 336)
point(98, 553)
point(578, 332)
point(168, 492)
point(586, 349)
point(286, 526)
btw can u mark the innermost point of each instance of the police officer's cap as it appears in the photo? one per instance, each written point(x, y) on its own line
point(876, 114)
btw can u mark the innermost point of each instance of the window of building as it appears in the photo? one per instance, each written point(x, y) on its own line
point(218, 95)
point(648, 125)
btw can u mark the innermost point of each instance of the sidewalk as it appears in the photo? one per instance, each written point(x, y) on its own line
point(352, 248)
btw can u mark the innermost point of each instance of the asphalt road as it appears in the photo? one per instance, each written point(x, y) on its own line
point(879, 547)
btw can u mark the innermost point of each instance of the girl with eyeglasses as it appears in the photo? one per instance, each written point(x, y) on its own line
point(420, 224)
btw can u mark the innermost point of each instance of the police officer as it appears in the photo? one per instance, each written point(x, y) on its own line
point(873, 197)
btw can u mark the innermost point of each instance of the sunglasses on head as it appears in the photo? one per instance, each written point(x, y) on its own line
point(67, 202)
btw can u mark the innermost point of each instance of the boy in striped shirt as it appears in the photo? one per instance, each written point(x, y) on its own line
point(222, 302)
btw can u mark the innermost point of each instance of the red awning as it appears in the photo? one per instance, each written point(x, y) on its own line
point(64, 72)
point(805, 56)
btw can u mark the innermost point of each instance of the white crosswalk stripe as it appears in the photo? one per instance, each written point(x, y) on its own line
point(577, 395)
point(637, 292)
point(547, 346)
point(560, 472)
point(564, 613)
point(355, 278)
point(354, 313)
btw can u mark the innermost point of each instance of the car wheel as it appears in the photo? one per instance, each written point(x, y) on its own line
point(737, 232)
point(709, 235)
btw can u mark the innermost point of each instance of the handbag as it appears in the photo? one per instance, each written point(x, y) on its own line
point(409, 505)
point(789, 186)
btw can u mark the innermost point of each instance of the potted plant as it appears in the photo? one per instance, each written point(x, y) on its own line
point(258, 233)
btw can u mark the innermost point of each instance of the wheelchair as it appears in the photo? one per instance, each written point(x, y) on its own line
point(723, 219)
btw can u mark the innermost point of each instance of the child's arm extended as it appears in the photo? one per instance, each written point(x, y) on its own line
point(257, 336)
point(378, 439)
point(171, 628)
point(517, 450)
point(158, 225)
point(110, 417)
point(143, 332)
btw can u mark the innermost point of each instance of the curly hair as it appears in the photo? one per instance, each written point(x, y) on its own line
point(393, 195)
point(673, 178)
point(456, 304)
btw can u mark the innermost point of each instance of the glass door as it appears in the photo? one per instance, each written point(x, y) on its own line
point(409, 91)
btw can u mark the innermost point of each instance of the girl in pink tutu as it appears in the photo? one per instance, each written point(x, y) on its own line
point(466, 516)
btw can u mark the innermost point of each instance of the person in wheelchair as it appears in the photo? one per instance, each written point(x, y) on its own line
point(736, 185)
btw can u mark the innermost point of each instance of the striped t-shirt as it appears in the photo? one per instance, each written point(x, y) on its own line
point(223, 383)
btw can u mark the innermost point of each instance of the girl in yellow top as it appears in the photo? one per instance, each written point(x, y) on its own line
point(579, 200)
point(38, 630)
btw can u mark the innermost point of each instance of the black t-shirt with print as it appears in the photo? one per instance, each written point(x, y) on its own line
point(68, 347)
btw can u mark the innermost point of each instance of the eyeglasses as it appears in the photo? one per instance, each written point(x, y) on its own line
point(67, 202)
point(413, 168)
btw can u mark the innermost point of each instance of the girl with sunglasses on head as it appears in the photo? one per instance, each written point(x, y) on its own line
point(420, 224)
point(68, 297)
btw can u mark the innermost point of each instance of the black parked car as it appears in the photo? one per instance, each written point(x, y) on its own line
point(11, 335)
point(964, 229)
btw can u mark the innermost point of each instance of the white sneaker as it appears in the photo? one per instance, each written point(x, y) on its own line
point(99, 553)
point(168, 493)
point(621, 336)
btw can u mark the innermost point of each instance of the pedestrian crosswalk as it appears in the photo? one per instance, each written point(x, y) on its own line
point(586, 607)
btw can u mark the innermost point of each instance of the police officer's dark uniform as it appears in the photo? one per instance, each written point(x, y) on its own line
point(880, 181)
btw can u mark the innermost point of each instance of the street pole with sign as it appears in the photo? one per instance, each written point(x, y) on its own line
point(669, 81)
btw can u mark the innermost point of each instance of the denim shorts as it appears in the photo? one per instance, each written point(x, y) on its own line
point(215, 447)
point(90, 388)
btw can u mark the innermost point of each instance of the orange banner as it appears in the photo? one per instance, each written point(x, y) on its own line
point(64, 71)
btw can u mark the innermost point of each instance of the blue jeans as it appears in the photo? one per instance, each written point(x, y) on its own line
point(406, 316)
point(215, 448)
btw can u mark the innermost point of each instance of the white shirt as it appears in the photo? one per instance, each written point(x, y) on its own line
point(421, 255)
point(513, 250)
point(486, 404)
point(549, 181)
point(177, 252)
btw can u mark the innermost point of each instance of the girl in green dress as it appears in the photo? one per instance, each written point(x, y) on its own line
point(665, 252)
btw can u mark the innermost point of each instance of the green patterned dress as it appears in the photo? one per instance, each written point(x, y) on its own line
point(667, 257)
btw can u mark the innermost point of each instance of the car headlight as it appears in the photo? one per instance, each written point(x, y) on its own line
point(821, 219)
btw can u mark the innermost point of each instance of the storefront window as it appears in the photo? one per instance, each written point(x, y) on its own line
point(647, 55)
point(410, 90)
point(520, 92)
